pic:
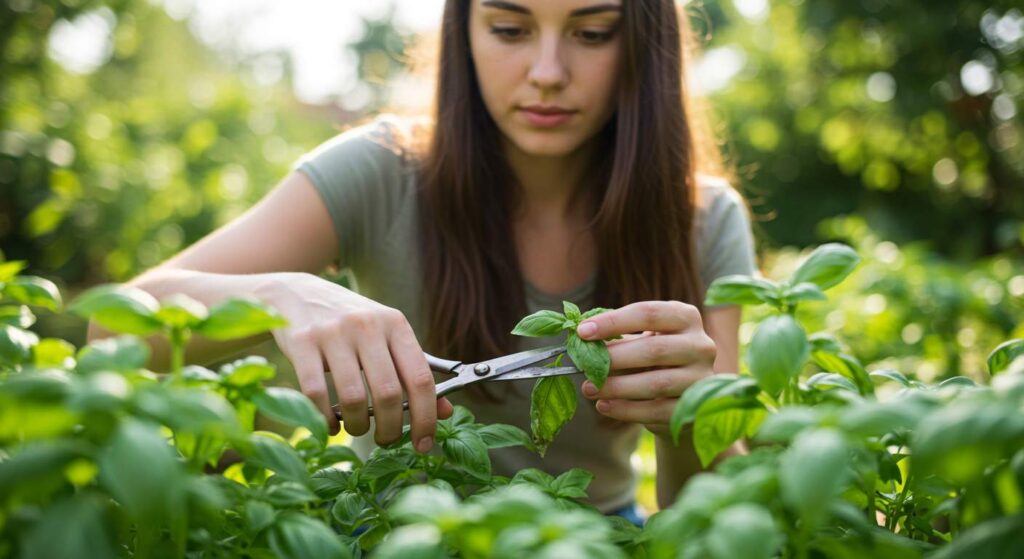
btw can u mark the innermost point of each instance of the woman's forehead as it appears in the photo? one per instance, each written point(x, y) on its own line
point(565, 8)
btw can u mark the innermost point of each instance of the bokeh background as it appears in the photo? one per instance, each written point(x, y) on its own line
point(131, 128)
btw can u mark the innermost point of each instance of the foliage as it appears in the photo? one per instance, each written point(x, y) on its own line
point(553, 400)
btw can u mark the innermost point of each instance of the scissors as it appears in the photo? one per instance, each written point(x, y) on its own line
point(517, 366)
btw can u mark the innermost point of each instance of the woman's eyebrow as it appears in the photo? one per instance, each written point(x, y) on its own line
point(579, 12)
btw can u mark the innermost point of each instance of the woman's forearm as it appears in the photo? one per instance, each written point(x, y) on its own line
point(208, 289)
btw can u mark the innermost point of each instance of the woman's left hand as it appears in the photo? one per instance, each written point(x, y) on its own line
point(650, 370)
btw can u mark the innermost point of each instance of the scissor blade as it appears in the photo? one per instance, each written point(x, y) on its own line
point(537, 372)
point(508, 363)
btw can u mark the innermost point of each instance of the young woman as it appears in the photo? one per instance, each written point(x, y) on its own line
point(561, 163)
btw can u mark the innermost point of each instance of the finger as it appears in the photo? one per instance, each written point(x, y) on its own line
point(385, 389)
point(669, 350)
point(658, 316)
point(416, 377)
point(638, 411)
point(445, 409)
point(646, 385)
point(309, 369)
point(348, 387)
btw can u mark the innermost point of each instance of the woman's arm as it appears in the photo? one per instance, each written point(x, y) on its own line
point(676, 464)
point(289, 230)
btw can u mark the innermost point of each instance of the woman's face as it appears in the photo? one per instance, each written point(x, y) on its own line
point(547, 69)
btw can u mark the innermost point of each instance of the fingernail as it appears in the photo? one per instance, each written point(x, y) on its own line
point(586, 329)
point(425, 444)
point(603, 406)
point(589, 389)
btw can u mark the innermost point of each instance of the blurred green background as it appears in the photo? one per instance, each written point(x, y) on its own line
point(893, 126)
point(130, 129)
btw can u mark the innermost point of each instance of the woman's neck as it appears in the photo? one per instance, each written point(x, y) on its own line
point(548, 184)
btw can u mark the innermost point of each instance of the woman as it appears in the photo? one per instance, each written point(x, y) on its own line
point(563, 166)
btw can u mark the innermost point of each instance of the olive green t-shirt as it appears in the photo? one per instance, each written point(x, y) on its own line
point(367, 181)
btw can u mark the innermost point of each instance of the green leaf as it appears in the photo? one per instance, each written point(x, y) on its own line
point(381, 465)
point(989, 540)
point(824, 381)
point(538, 478)
point(16, 345)
point(847, 366)
point(813, 471)
point(31, 290)
point(714, 432)
point(329, 482)
point(743, 530)
point(961, 440)
point(181, 311)
point(424, 503)
point(777, 352)
point(348, 510)
point(418, 541)
point(823, 341)
point(500, 436)
point(741, 290)
point(123, 353)
point(8, 270)
point(1003, 355)
point(53, 352)
point(19, 316)
point(590, 356)
point(571, 311)
point(890, 374)
point(540, 324)
point(552, 405)
point(70, 529)
point(828, 265)
point(239, 318)
point(258, 515)
point(466, 449)
point(291, 407)
point(572, 484)
point(288, 494)
point(297, 536)
point(141, 471)
point(805, 291)
point(244, 372)
point(337, 453)
point(267, 451)
point(730, 389)
point(788, 422)
point(120, 308)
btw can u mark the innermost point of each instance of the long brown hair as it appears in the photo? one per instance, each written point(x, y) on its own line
point(642, 199)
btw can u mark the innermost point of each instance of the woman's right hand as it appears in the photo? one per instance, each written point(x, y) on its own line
point(333, 329)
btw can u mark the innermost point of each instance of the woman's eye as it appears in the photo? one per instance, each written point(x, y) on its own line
point(508, 32)
point(595, 37)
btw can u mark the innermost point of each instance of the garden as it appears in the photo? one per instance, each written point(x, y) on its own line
point(880, 393)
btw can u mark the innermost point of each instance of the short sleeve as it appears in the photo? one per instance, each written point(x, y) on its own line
point(725, 239)
point(359, 180)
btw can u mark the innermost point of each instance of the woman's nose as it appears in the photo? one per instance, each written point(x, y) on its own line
point(548, 70)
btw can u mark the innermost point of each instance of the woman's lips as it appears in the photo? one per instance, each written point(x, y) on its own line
point(546, 118)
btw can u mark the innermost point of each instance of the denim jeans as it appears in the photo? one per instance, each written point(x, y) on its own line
point(630, 512)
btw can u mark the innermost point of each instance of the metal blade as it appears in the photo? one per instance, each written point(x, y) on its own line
point(536, 372)
point(508, 363)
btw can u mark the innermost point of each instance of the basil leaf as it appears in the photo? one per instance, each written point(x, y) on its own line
point(777, 352)
point(572, 484)
point(813, 471)
point(268, 452)
point(828, 265)
point(122, 353)
point(590, 356)
point(571, 311)
point(1004, 354)
point(552, 405)
point(181, 311)
point(296, 536)
point(759, 538)
point(120, 308)
point(32, 290)
point(741, 290)
point(291, 407)
point(465, 448)
point(593, 312)
point(501, 436)
point(715, 432)
point(239, 318)
point(540, 324)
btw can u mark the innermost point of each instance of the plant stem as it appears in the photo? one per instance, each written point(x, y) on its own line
point(179, 337)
